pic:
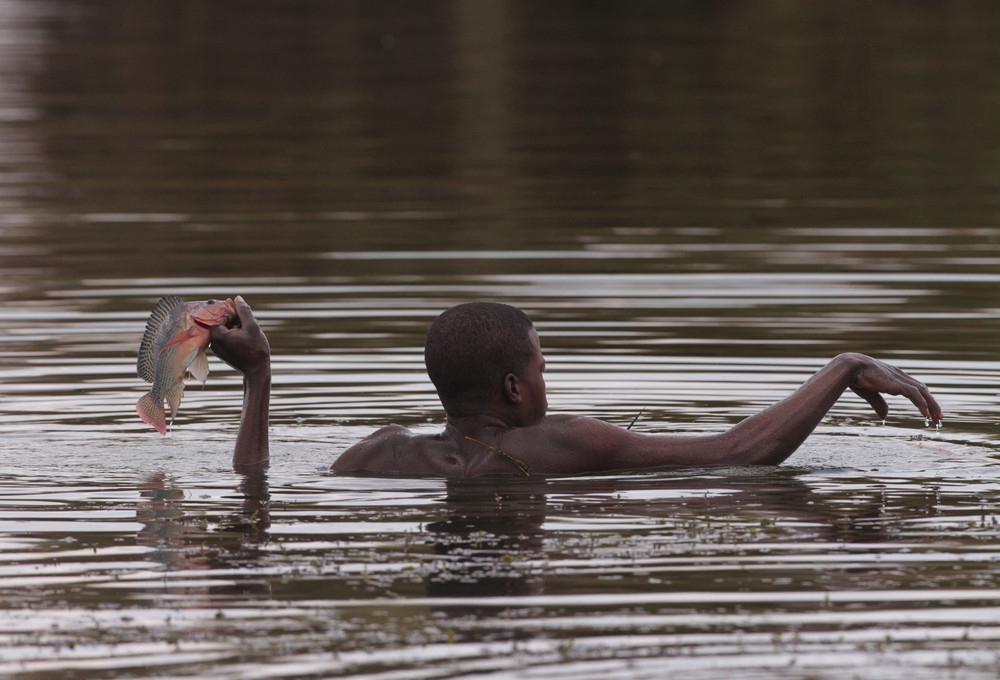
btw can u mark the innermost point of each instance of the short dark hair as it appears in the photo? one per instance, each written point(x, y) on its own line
point(471, 347)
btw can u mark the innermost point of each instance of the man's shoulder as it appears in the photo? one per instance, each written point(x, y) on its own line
point(393, 450)
point(567, 424)
point(387, 432)
point(381, 442)
point(565, 443)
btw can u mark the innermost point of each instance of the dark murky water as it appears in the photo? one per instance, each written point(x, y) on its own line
point(698, 203)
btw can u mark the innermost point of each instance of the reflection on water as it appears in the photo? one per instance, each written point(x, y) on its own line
point(823, 571)
point(698, 204)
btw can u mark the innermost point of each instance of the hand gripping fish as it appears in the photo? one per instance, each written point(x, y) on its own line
point(172, 347)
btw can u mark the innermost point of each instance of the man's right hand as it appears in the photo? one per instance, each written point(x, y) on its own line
point(874, 378)
point(244, 346)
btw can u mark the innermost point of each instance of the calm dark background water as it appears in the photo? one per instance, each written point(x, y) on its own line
point(699, 203)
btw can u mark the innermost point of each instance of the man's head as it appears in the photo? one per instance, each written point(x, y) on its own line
point(478, 350)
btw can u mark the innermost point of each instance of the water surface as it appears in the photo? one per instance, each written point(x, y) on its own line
point(699, 205)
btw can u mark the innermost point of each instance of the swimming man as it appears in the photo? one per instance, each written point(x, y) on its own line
point(486, 362)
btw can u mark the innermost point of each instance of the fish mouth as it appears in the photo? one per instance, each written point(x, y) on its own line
point(215, 313)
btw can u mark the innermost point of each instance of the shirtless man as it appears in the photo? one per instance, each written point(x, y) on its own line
point(486, 363)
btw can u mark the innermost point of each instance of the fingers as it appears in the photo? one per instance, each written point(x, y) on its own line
point(217, 332)
point(937, 414)
point(244, 319)
point(891, 380)
point(922, 398)
point(243, 312)
point(917, 392)
point(220, 342)
point(874, 399)
point(248, 322)
point(241, 343)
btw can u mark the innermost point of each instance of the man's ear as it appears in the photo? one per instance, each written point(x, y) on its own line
point(512, 388)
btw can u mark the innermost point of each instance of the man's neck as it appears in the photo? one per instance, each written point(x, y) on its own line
point(473, 425)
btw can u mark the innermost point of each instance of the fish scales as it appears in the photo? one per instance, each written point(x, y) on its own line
point(172, 347)
point(155, 336)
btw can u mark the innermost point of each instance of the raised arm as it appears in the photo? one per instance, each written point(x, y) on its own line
point(574, 444)
point(245, 348)
point(774, 434)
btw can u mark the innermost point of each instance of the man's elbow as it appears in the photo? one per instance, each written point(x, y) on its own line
point(753, 448)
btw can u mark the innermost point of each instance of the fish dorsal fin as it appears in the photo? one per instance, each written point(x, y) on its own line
point(154, 338)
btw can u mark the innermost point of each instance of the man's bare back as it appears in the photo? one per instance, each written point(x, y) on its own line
point(495, 401)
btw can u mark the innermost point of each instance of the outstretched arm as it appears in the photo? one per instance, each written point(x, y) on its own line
point(774, 434)
point(245, 348)
point(767, 438)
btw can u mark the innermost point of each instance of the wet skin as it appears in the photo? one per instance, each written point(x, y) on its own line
point(511, 434)
point(244, 346)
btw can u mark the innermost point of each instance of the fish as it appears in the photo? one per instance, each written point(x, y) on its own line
point(172, 348)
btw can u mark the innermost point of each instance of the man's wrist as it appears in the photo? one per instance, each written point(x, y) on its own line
point(259, 374)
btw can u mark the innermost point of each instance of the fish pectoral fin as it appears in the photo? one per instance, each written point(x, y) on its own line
point(182, 335)
point(199, 367)
point(151, 412)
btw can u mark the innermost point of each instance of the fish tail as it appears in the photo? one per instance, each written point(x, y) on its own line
point(152, 413)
